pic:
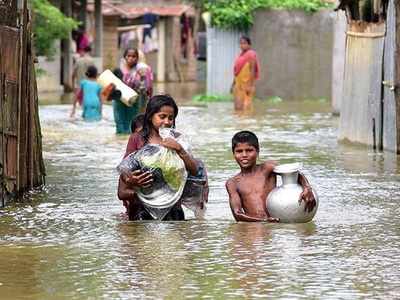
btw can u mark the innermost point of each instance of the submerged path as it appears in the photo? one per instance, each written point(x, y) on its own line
point(71, 241)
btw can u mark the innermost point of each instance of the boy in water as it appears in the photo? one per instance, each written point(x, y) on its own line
point(249, 189)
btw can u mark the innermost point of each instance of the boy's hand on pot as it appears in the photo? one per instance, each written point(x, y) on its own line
point(170, 143)
point(308, 197)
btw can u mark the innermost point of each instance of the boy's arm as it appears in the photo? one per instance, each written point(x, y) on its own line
point(307, 195)
point(269, 166)
point(236, 204)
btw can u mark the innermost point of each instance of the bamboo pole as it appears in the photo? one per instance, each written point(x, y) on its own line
point(397, 73)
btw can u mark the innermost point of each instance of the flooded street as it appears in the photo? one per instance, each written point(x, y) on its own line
point(73, 242)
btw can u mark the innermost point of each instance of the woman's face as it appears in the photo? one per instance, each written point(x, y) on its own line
point(164, 118)
point(244, 45)
point(131, 58)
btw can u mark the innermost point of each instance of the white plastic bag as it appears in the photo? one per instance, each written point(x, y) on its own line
point(128, 95)
point(169, 177)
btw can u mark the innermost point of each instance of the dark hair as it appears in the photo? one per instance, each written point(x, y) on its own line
point(117, 72)
point(154, 106)
point(246, 38)
point(87, 49)
point(245, 137)
point(91, 72)
point(135, 51)
point(137, 122)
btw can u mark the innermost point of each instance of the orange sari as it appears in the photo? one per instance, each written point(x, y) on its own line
point(245, 77)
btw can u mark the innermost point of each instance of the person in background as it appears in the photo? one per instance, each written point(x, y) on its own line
point(81, 39)
point(137, 123)
point(139, 76)
point(246, 72)
point(92, 97)
point(79, 73)
point(123, 114)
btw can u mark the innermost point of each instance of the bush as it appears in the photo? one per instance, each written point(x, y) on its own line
point(211, 98)
point(49, 25)
point(238, 14)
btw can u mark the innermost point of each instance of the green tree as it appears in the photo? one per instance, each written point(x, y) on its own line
point(49, 25)
point(238, 14)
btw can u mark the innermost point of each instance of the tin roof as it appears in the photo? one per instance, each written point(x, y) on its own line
point(132, 11)
point(165, 11)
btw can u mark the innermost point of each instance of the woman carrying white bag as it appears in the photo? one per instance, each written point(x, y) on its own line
point(139, 79)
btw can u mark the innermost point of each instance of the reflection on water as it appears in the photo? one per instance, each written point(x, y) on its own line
point(71, 241)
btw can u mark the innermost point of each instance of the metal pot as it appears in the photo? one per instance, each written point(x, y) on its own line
point(283, 201)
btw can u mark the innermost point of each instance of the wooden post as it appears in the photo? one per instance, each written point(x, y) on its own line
point(82, 13)
point(161, 51)
point(397, 73)
point(98, 43)
point(66, 51)
point(2, 132)
point(21, 161)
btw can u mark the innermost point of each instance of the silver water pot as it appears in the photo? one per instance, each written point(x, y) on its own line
point(283, 201)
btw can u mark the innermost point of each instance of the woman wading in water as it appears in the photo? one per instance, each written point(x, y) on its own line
point(246, 72)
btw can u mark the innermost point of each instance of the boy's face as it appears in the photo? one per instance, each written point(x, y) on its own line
point(245, 155)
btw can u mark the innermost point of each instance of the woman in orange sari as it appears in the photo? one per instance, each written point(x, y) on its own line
point(246, 72)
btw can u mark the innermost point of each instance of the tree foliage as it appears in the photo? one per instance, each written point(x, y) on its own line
point(49, 25)
point(238, 14)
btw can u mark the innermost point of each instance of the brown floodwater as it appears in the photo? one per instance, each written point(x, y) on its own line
point(71, 240)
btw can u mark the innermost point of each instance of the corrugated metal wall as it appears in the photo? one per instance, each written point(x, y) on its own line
point(360, 115)
point(389, 106)
point(339, 48)
point(222, 49)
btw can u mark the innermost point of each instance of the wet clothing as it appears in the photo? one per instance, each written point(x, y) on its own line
point(137, 212)
point(123, 116)
point(135, 209)
point(91, 100)
point(244, 79)
point(139, 78)
point(80, 68)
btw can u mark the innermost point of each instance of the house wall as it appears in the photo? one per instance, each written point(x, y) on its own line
point(48, 79)
point(172, 49)
point(295, 52)
point(110, 42)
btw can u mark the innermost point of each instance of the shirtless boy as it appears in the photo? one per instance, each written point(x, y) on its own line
point(249, 189)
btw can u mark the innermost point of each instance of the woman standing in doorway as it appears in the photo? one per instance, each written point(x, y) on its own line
point(246, 72)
